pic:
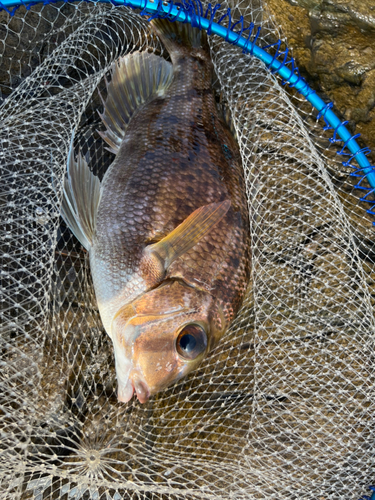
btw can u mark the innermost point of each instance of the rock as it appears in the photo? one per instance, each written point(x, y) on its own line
point(333, 43)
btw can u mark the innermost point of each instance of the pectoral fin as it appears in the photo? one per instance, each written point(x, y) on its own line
point(80, 198)
point(188, 233)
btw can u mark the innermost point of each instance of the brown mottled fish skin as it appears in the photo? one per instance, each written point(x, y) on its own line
point(177, 156)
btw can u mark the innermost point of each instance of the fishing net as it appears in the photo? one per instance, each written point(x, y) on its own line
point(283, 407)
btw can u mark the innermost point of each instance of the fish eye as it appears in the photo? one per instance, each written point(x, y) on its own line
point(191, 341)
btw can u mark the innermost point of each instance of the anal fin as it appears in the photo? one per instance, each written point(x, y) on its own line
point(80, 198)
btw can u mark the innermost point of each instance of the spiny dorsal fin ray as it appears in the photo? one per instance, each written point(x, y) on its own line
point(135, 79)
point(80, 198)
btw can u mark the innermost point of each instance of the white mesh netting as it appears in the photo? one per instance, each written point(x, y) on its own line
point(284, 407)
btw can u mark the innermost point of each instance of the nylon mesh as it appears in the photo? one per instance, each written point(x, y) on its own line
point(283, 407)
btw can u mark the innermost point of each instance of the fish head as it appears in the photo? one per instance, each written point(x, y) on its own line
point(162, 336)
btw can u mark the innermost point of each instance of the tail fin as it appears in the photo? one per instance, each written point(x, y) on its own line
point(179, 38)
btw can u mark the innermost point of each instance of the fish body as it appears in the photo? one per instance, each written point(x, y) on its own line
point(169, 234)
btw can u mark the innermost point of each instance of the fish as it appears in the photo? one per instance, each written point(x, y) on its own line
point(167, 229)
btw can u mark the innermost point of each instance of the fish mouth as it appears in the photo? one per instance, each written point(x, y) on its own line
point(142, 391)
point(125, 392)
point(140, 388)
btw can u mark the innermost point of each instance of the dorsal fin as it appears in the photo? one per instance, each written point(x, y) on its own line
point(136, 78)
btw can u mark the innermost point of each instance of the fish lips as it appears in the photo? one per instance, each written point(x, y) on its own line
point(133, 385)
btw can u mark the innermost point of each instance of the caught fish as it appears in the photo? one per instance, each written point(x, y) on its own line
point(167, 229)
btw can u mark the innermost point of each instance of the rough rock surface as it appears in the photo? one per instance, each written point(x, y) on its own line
point(333, 42)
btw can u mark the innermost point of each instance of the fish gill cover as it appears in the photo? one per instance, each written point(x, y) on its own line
point(283, 407)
